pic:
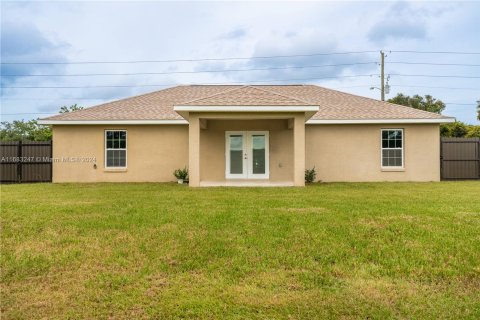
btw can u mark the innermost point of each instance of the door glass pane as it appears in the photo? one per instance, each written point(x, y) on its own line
point(236, 154)
point(258, 154)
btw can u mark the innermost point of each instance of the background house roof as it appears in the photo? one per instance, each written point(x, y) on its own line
point(333, 105)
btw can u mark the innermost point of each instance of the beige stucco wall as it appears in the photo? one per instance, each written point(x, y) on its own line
point(339, 152)
point(153, 152)
point(352, 152)
point(212, 147)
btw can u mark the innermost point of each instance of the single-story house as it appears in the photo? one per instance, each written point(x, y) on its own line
point(246, 135)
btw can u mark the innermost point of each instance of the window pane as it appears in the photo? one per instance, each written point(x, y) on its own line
point(116, 139)
point(397, 162)
point(236, 154)
point(117, 160)
point(122, 159)
point(385, 162)
point(398, 143)
point(384, 143)
point(109, 158)
point(258, 157)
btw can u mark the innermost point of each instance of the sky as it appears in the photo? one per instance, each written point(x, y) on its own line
point(74, 34)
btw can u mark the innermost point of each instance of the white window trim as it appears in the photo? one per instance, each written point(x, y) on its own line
point(106, 149)
point(386, 168)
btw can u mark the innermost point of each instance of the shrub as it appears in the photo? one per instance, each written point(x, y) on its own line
point(473, 131)
point(310, 175)
point(455, 129)
point(181, 174)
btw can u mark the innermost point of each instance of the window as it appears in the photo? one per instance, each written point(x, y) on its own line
point(115, 149)
point(392, 148)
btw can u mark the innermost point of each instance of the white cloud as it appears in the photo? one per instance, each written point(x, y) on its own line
point(107, 31)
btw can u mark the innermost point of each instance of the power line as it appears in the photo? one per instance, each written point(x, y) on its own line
point(237, 70)
point(435, 64)
point(238, 58)
point(29, 113)
point(173, 84)
point(50, 99)
point(226, 83)
point(433, 52)
point(460, 104)
point(432, 87)
point(186, 72)
point(195, 60)
point(20, 113)
point(433, 76)
point(119, 98)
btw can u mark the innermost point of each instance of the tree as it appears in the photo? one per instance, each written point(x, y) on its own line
point(30, 130)
point(473, 132)
point(24, 130)
point(458, 129)
point(72, 108)
point(478, 109)
point(455, 129)
point(427, 103)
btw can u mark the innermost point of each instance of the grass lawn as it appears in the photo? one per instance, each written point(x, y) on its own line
point(363, 250)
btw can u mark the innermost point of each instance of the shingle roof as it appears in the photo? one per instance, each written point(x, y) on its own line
point(333, 105)
point(248, 96)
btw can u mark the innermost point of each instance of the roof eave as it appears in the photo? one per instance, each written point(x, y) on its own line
point(112, 122)
point(184, 110)
point(379, 121)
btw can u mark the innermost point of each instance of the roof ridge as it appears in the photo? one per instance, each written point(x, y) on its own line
point(213, 95)
point(240, 87)
point(282, 95)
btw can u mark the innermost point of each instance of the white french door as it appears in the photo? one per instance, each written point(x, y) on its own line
point(247, 155)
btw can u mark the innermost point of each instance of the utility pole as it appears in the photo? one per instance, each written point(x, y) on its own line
point(382, 74)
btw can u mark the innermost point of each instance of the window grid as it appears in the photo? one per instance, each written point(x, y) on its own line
point(392, 148)
point(115, 148)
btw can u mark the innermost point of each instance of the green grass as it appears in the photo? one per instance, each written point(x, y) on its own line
point(363, 250)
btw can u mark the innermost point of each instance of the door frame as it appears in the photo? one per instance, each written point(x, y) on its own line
point(229, 175)
point(247, 155)
point(250, 174)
